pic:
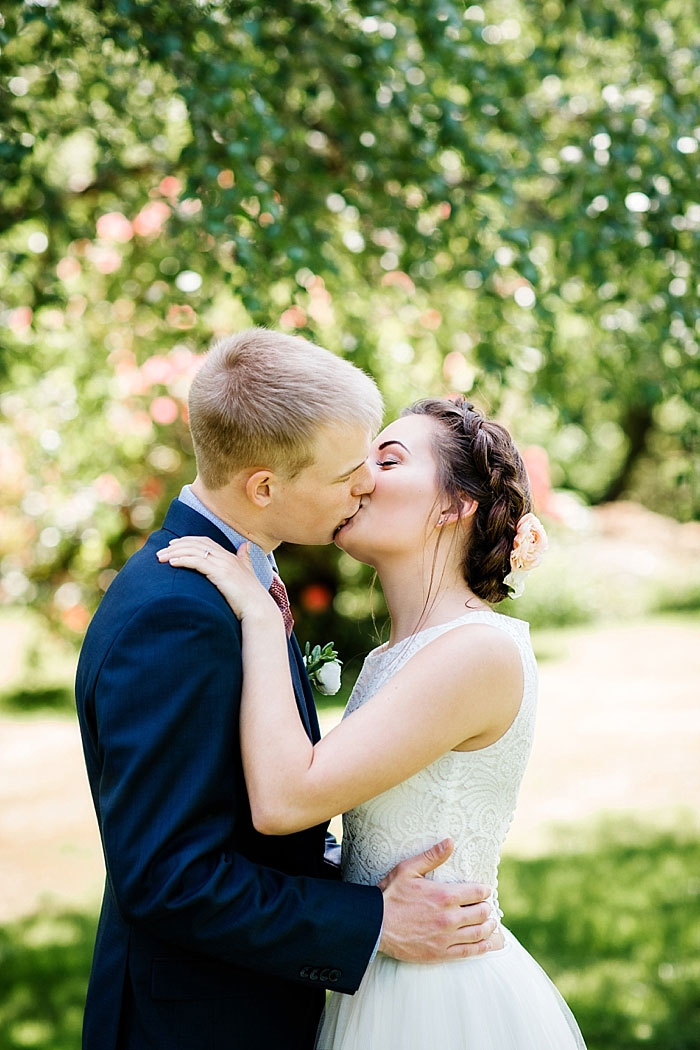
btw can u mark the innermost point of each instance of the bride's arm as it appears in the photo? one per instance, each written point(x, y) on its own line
point(419, 715)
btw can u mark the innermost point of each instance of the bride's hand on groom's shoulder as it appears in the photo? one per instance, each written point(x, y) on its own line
point(231, 573)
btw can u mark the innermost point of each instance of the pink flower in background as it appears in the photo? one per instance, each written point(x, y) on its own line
point(151, 218)
point(294, 317)
point(76, 618)
point(12, 471)
point(170, 186)
point(68, 267)
point(537, 466)
point(21, 318)
point(185, 363)
point(104, 258)
point(152, 488)
point(400, 280)
point(431, 319)
point(164, 410)
point(114, 227)
point(320, 301)
point(108, 489)
point(182, 317)
point(156, 370)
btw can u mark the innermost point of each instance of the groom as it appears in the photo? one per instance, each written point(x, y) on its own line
point(211, 935)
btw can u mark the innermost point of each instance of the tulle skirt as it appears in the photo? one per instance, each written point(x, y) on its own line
point(499, 1001)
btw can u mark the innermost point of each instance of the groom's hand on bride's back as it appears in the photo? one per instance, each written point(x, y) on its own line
point(430, 921)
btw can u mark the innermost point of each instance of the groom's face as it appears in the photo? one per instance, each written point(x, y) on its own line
point(310, 507)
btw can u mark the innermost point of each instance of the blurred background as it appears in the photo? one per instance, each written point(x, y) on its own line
point(499, 200)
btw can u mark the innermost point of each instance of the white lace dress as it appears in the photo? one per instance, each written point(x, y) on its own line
point(499, 1001)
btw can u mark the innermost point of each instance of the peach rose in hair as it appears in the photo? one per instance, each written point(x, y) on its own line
point(529, 545)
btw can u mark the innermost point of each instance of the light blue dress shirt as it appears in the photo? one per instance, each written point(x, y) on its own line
point(263, 564)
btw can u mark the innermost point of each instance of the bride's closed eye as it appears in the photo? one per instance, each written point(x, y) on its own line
point(387, 462)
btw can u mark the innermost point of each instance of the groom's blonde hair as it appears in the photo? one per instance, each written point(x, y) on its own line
point(260, 397)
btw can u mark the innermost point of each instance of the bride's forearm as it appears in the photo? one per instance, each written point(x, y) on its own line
point(277, 753)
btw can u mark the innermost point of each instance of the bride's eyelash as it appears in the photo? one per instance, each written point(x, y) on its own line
point(387, 462)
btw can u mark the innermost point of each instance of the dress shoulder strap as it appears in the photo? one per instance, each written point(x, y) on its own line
point(519, 630)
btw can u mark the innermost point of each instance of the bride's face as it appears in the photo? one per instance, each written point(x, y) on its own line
point(402, 510)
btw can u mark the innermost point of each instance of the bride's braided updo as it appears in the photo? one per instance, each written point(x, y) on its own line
point(477, 459)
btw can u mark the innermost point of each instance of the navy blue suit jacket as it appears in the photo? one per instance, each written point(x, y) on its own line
point(211, 936)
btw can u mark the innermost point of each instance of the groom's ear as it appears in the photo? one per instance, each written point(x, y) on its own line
point(258, 487)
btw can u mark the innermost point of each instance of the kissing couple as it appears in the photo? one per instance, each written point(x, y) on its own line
point(226, 914)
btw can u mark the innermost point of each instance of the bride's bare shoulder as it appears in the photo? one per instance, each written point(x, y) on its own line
point(483, 654)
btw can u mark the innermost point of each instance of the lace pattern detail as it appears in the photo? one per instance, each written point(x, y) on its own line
point(469, 796)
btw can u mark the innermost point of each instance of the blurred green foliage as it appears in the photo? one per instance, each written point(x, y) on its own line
point(497, 199)
point(615, 922)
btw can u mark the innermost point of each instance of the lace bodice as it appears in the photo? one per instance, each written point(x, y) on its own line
point(467, 795)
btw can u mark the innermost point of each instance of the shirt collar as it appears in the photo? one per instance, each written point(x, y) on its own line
point(263, 564)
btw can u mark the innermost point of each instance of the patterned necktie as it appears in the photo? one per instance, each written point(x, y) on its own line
point(279, 593)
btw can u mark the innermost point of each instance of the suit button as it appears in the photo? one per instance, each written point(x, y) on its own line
point(334, 975)
point(313, 976)
point(324, 974)
point(305, 971)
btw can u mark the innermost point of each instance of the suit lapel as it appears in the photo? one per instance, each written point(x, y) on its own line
point(182, 520)
point(302, 691)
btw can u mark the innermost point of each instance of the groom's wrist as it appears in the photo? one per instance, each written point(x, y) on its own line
point(376, 947)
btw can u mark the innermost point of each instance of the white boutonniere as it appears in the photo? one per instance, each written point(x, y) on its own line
point(323, 668)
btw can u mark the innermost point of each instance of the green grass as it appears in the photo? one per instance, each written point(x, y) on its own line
point(677, 599)
point(44, 698)
point(616, 925)
point(44, 966)
point(36, 666)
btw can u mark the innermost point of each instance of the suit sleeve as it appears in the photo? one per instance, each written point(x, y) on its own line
point(166, 706)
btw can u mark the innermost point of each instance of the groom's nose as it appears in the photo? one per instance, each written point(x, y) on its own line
point(363, 482)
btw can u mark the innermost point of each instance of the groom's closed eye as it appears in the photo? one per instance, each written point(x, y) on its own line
point(349, 474)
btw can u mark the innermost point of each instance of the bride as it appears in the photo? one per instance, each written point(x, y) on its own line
point(437, 731)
